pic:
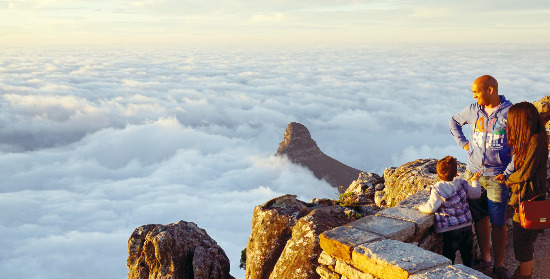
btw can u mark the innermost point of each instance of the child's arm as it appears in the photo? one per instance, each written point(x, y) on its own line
point(474, 190)
point(433, 203)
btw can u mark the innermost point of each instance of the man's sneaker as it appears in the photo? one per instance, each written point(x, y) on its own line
point(501, 272)
point(481, 264)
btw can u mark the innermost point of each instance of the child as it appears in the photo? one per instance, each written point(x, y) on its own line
point(448, 200)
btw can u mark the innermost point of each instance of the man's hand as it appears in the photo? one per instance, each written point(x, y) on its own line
point(467, 146)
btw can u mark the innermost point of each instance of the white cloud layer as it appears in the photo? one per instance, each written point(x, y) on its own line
point(96, 142)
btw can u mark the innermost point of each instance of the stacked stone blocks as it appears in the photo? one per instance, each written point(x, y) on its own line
point(387, 245)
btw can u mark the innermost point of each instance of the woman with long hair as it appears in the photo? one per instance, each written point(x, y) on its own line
point(529, 143)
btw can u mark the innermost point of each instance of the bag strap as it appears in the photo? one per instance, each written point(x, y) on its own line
point(538, 196)
point(519, 196)
point(532, 199)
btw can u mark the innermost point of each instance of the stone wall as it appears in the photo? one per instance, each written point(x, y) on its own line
point(397, 242)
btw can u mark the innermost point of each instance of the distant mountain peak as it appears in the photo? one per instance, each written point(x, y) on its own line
point(301, 149)
point(297, 143)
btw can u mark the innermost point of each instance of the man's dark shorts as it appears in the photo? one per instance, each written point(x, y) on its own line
point(479, 207)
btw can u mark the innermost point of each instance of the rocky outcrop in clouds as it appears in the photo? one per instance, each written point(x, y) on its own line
point(301, 149)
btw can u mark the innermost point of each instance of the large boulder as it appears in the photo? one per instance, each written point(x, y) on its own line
point(177, 251)
point(272, 225)
point(301, 149)
point(543, 106)
point(412, 177)
point(299, 258)
point(284, 242)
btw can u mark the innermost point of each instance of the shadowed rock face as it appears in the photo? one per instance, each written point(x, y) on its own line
point(301, 149)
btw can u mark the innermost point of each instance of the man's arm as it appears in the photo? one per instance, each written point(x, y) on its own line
point(455, 124)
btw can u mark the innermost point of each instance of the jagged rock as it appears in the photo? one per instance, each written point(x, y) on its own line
point(322, 202)
point(362, 190)
point(360, 211)
point(379, 198)
point(206, 263)
point(364, 182)
point(410, 178)
point(177, 251)
point(272, 225)
point(299, 257)
point(301, 149)
point(279, 228)
point(369, 210)
point(543, 106)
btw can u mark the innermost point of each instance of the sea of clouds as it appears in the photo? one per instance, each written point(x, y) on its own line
point(95, 142)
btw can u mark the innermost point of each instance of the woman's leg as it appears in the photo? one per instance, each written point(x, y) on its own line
point(526, 268)
point(524, 249)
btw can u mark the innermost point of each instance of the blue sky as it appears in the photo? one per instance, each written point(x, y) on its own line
point(53, 22)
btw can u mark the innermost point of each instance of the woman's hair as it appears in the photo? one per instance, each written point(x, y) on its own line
point(524, 121)
point(446, 168)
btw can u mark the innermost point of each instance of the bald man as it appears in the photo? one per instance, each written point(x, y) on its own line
point(488, 153)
